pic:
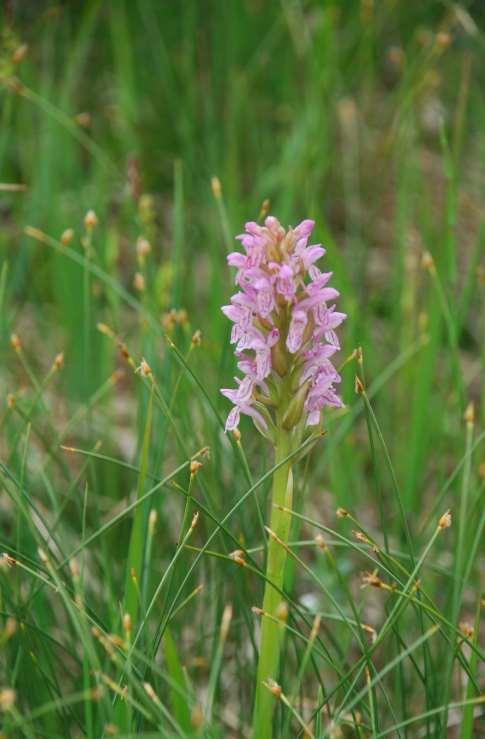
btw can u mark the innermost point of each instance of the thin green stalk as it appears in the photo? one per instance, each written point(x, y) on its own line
point(271, 632)
point(134, 572)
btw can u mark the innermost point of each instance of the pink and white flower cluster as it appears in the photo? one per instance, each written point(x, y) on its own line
point(283, 323)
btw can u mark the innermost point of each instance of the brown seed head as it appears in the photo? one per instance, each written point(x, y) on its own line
point(216, 187)
point(67, 236)
point(90, 219)
point(144, 369)
point(470, 414)
point(20, 53)
point(427, 261)
point(151, 693)
point(265, 206)
point(111, 729)
point(7, 699)
point(152, 521)
point(273, 686)
point(74, 567)
point(139, 282)
point(466, 629)
point(445, 520)
point(358, 385)
point(372, 579)
point(443, 40)
point(320, 542)
point(11, 401)
point(143, 247)
point(43, 556)
point(195, 467)
point(15, 342)
point(282, 611)
point(83, 119)
point(396, 56)
point(116, 640)
point(97, 693)
point(342, 513)
point(195, 520)
point(127, 623)
point(58, 361)
point(197, 338)
point(238, 557)
point(197, 716)
point(10, 627)
point(370, 630)
point(7, 560)
point(315, 626)
point(106, 330)
point(225, 622)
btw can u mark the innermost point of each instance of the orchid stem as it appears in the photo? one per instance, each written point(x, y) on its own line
point(271, 631)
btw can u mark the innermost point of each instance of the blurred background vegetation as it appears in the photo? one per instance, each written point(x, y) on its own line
point(368, 116)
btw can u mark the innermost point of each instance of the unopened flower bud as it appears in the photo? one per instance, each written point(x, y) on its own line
point(296, 406)
point(197, 338)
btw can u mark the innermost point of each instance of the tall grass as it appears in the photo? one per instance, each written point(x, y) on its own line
point(132, 527)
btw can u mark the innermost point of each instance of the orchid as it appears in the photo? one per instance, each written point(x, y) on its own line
point(284, 324)
point(284, 320)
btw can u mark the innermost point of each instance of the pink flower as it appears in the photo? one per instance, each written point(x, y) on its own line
point(282, 307)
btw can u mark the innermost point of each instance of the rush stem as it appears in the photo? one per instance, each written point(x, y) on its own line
point(272, 633)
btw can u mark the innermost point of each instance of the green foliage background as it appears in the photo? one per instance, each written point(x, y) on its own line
point(366, 116)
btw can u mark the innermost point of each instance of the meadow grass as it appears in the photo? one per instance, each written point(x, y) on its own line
point(132, 528)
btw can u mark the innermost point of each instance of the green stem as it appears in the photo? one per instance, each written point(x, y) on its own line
point(272, 631)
